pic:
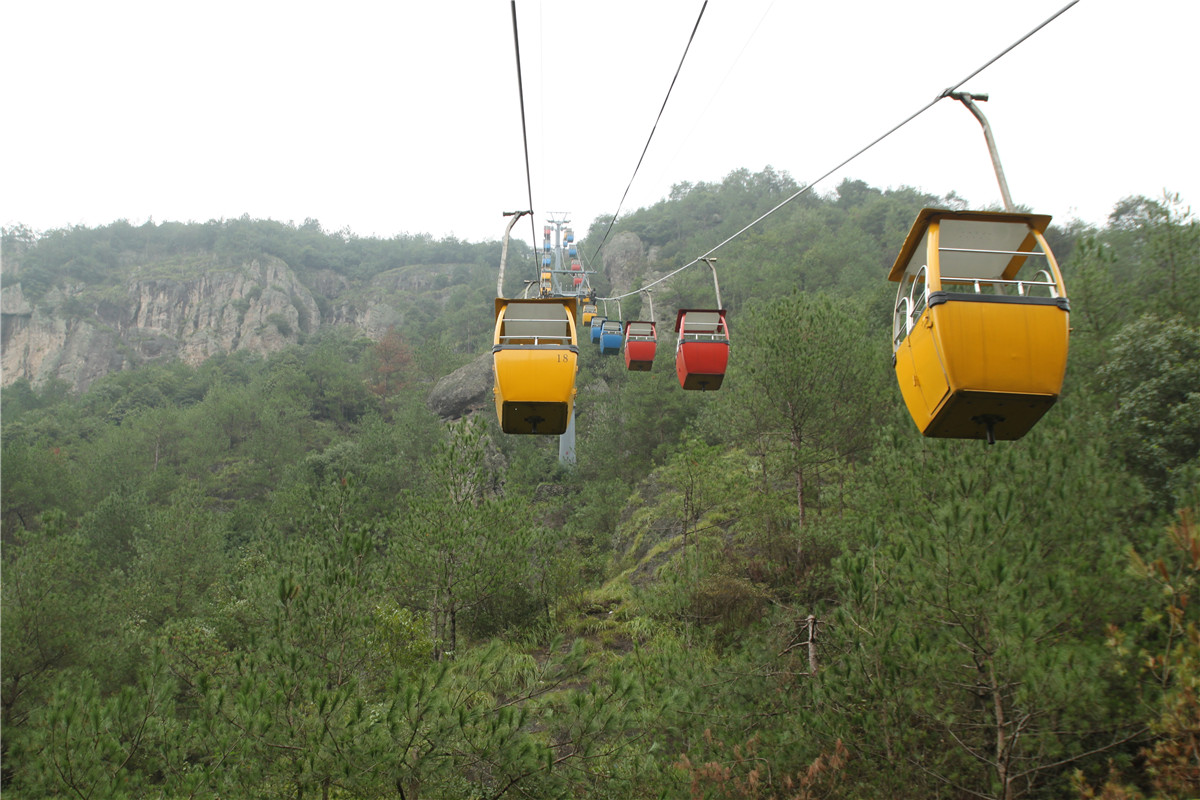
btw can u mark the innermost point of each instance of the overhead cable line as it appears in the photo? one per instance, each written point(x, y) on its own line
point(652, 130)
point(808, 187)
point(732, 66)
point(524, 133)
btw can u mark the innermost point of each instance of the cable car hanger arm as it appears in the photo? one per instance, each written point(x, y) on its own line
point(968, 100)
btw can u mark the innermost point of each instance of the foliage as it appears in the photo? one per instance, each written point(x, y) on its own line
point(47, 613)
point(247, 577)
point(1166, 647)
point(84, 744)
point(805, 388)
point(467, 554)
point(1154, 370)
point(968, 638)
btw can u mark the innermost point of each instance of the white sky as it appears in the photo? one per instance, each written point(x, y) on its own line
point(399, 116)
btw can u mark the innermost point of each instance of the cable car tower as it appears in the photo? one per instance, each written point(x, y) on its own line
point(562, 275)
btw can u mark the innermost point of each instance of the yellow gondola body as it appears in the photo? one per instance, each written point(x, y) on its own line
point(981, 323)
point(589, 311)
point(535, 353)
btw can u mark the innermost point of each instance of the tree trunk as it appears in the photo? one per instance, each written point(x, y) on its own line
point(800, 497)
point(1001, 739)
point(812, 644)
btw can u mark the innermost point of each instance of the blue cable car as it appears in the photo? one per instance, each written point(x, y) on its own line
point(597, 324)
point(611, 337)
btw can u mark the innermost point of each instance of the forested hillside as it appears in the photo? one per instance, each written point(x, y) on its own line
point(278, 573)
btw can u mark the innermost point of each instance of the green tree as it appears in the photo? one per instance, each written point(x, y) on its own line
point(38, 478)
point(1165, 647)
point(1158, 242)
point(805, 390)
point(968, 648)
point(1154, 372)
point(85, 744)
point(179, 554)
point(461, 542)
point(291, 706)
point(341, 395)
point(113, 526)
point(48, 618)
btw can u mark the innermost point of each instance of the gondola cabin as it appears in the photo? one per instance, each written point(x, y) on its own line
point(588, 311)
point(641, 342)
point(702, 352)
point(981, 323)
point(611, 337)
point(596, 326)
point(534, 353)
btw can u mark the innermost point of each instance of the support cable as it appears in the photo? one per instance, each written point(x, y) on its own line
point(524, 133)
point(652, 130)
point(1006, 50)
point(687, 137)
point(808, 187)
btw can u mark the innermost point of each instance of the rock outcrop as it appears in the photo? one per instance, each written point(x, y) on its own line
point(77, 335)
point(467, 389)
point(624, 260)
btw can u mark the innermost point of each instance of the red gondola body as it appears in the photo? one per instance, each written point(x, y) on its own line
point(641, 342)
point(702, 353)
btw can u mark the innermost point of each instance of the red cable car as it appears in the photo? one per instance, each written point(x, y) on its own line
point(703, 349)
point(641, 342)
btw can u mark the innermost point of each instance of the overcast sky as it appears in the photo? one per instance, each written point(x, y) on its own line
point(403, 117)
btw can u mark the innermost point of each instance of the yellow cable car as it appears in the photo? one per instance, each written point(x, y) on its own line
point(981, 323)
point(534, 356)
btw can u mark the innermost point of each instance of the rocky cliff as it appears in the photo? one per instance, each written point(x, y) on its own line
point(193, 307)
point(77, 333)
